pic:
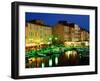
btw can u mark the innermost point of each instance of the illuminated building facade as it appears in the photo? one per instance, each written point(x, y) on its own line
point(84, 35)
point(67, 31)
point(71, 33)
point(37, 33)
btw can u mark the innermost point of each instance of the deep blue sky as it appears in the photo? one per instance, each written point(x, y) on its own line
point(52, 19)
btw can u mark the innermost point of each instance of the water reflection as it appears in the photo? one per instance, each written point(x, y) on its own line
point(56, 60)
point(68, 58)
point(50, 62)
point(43, 64)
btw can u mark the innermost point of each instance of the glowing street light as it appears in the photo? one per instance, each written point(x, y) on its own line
point(56, 38)
point(50, 38)
point(48, 43)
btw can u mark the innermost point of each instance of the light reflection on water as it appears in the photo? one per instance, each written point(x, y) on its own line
point(56, 60)
point(50, 62)
point(68, 58)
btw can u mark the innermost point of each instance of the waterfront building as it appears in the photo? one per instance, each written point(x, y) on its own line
point(37, 33)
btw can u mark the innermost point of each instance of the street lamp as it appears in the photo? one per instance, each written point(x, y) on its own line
point(56, 38)
point(48, 43)
point(50, 38)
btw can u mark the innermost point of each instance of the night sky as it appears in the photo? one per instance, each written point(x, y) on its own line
point(52, 19)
